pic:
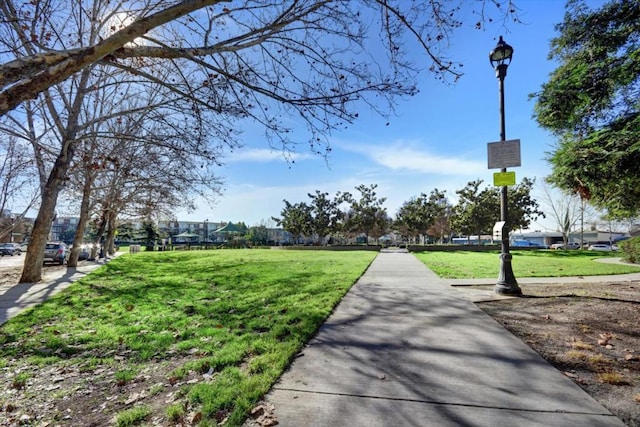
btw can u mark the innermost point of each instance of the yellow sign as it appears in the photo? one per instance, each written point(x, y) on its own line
point(500, 179)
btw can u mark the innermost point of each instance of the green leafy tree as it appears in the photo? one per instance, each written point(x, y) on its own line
point(67, 236)
point(366, 215)
point(441, 227)
point(416, 216)
point(257, 235)
point(591, 103)
point(296, 219)
point(381, 225)
point(326, 214)
point(476, 210)
point(523, 208)
point(243, 227)
point(150, 234)
point(126, 232)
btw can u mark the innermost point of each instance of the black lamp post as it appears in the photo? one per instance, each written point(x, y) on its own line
point(206, 233)
point(500, 58)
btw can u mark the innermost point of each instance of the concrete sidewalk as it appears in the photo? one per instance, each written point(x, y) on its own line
point(404, 348)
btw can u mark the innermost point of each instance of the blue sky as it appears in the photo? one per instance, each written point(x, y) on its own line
point(438, 139)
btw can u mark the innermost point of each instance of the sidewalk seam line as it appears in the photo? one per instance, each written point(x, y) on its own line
point(435, 402)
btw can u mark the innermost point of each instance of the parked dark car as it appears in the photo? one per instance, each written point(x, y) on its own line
point(10, 249)
point(57, 252)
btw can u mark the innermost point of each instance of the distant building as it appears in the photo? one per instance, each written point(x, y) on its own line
point(542, 238)
point(207, 230)
point(278, 236)
point(485, 239)
point(63, 229)
point(203, 229)
point(548, 238)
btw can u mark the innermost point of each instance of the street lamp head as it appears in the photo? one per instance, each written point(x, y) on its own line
point(501, 54)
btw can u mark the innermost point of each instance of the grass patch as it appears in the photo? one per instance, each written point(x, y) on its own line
point(124, 376)
point(576, 355)
point(156, 389)
point(598, 360)
point(613, 378)
point(239, 316)
point(175, 412)
point(585, 329)
point(133, 417)
point(20, 381)
point(581, 345)
point(540, 263)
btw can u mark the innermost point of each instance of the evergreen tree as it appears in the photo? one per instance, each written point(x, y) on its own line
point(591, 103)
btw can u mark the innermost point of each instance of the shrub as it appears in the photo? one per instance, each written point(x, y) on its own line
point(630, 250)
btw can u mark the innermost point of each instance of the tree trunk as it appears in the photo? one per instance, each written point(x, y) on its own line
point(111, 233)
point(32, 271)
point(99, 242)
point(82, 222)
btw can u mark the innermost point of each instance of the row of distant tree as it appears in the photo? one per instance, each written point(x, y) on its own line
point(425, 217)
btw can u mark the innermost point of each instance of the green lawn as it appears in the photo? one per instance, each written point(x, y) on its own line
point(244, 314)
point(235, 316)
point(539, 263)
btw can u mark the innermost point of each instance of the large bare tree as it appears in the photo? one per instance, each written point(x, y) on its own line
point(74, 111)
point(135, 159)
point(567, 210)
point(314, 63)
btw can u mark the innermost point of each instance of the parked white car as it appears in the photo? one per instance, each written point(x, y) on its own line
point(570, 245)
point(600, 247)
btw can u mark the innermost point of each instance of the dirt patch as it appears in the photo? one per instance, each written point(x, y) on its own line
point(589, 331)
point(9, 276)
point(93, 395)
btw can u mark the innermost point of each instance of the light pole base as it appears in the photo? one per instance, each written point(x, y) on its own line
point(507, 283)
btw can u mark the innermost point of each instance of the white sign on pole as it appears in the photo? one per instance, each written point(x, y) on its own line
point(504, 154)
point(497, 230)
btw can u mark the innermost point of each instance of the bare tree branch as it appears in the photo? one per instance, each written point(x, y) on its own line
point(34, 75)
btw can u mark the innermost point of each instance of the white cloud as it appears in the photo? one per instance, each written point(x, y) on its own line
point(403, 155)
